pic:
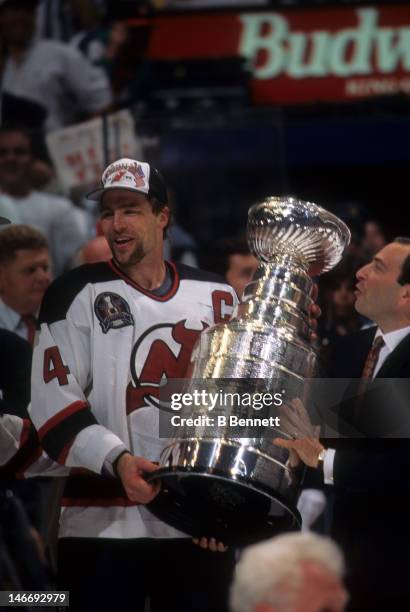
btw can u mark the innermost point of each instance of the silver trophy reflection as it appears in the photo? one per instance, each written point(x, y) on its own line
point(241, 488)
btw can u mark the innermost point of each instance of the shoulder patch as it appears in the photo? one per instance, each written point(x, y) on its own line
point(113, 312)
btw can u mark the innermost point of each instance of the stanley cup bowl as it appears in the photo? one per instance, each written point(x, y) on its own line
point(241, 487)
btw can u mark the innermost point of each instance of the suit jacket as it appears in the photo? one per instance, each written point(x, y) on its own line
point(15, 369)
point(371, 507)
point(381, 418)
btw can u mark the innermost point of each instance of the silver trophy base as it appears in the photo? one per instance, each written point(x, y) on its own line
point(225, 490)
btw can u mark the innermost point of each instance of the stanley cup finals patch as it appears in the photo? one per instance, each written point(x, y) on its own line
point(112, 311)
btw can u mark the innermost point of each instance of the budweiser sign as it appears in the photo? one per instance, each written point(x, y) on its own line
point(301, 56)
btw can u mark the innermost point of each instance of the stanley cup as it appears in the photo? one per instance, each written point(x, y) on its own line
point(240, 487)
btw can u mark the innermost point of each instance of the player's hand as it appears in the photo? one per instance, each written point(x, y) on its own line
point(210, 544)
point(131, 470)
point(314, 314)
point(304, 449)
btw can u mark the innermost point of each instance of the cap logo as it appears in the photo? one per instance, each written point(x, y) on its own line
point(118, 176)
point(125, 172)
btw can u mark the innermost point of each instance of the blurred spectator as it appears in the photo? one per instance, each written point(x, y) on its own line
point(337, 293)
point(64, 225)
point(100, 45)
point(54, 19)
point(232, 259)
point(354, 215)
point(93, 251)
point(24, 277)
point(180, 246)
point(374, 238)
point(50, 73)
point(290, 573)
point(41, 174)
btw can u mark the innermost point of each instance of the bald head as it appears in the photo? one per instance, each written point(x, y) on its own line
point(94, 251)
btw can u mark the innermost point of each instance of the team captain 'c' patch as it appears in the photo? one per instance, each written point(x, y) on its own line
point(112, 311)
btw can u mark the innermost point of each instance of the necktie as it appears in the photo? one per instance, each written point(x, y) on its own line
point(370, 365)
point(30, 322)
point(372, 358)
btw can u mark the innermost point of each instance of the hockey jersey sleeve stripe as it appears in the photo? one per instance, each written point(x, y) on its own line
point(57, 434)
point(61, 416)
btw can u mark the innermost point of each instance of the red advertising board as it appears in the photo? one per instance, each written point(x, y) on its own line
point(300, 56)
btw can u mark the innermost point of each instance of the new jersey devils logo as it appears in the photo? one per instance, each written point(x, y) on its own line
point(162, 352)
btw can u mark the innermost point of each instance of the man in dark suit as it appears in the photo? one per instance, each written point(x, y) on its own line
point(371, 475)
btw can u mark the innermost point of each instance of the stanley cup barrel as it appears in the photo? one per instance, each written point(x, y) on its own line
point(232, 484)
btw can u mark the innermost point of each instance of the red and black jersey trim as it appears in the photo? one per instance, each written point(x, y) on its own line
point(29, 451)
point(158, 298)
point(62, 292)
point(93, 490)
point(58, 433)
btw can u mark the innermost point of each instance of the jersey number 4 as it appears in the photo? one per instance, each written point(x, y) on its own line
point(54, 366)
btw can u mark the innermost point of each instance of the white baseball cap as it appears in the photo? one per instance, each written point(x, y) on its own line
point(134, 175)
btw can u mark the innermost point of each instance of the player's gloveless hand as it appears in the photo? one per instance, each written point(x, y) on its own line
point(131, 470)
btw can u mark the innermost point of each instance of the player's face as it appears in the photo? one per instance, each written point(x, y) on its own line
point(24, 280)
point(130, 226)
point(378, 294)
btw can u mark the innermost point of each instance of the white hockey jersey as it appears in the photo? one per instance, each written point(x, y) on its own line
point(104, 346)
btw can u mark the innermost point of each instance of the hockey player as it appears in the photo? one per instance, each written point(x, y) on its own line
point(109, 333)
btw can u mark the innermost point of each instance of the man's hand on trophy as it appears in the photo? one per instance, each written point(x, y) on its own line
point(302, 442)
point(131, 471)
point(303, 449)
point(210, 544)
point(314, 314)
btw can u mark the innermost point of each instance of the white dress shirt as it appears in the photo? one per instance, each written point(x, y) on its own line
point(11, 320)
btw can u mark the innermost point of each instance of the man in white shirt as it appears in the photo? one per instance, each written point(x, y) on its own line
point(56, 217)
point(369, 475)
point(48, 72)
